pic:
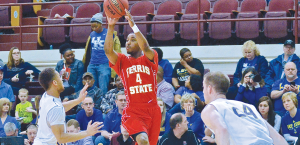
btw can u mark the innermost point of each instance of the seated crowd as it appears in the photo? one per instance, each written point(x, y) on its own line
point(273, 88)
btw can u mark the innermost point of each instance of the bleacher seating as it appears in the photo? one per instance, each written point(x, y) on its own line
point(79, 34)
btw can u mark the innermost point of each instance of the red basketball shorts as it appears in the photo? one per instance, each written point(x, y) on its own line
point(142, 117)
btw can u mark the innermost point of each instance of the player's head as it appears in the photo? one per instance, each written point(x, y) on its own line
point(179, 122)
point(66, 51)
point(5, 106)
point(214, 84)
point(159, 53)
point(186, 54)
point(73, 126)
point(31, 132)
point(290, 70)
point(194, 82)
point(23, 95)
point(119, 82)
point(289, 100)
point(132, 46)
point(187, 100)
point(250, 50)
point(96, 22)
point(121, 100)
point(88, 105)
point(49, 78)
point(10, 129)
point(88, 78)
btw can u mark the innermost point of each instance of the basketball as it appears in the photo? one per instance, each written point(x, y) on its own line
point(115, 8)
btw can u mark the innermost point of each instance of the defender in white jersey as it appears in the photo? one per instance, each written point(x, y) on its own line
point(234, 122)
point(51, 119)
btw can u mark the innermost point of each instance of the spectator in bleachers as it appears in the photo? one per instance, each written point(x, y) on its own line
point(36, 112)
point(186, 67)
point(5, 89)
point(291, 120)
point(252, 58)
point(112, 120)
point(165, 117)
point(250, 91)
point(165, 91)
point(5, 106)
point(195, 124)
point(31, 134)
point(277, 65)
point(89, 113)
point(21, 109)
point(288, 84)
point(122, 138)
point(10, 129)
point(73, 127)
point(17, 70)
point(165, 64)
point(93, 91)
point(70, 70)
point(109, 102)
point(265, 108)
point(94, 59)
point(179, 134)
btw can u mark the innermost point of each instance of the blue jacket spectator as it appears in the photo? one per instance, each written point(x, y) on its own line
point(195, 124)
point(72, 69)
point(165, 64)
point(251, 58)
point(5, 106)
point(5, 89)
point(250, 91)
point(288, 84)
point(112, 120)
point(16, 70)
point(277, 65)
point(88, 113)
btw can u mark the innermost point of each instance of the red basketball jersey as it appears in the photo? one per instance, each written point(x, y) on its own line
point(138, 77)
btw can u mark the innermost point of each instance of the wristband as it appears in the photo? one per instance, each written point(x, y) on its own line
point(135, 29)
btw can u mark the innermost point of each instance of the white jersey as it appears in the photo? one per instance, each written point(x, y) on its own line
point(45, 135)
point(245, 125)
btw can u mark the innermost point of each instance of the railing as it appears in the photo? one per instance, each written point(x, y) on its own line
point(146, 22)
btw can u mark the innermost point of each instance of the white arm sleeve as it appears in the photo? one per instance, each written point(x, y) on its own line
point(56, 116)
point(277, 122)
point(288, 137)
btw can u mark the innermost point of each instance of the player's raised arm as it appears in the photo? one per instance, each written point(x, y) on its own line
point(109, 41)
point(142, 41)
point(214, 121)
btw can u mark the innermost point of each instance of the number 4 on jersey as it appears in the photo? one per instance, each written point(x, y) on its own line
point(138, 78)
point(247, 112)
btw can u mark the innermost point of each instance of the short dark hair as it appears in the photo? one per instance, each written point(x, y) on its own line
point(46, 77)
point(159, 53)
point(183, 51)
point(175, 119)
point(196, 82)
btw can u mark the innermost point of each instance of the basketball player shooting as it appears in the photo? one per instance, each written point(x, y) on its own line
point(141, 117)
point(234, 122)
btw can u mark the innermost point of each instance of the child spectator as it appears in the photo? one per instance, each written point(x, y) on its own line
point(21, 109)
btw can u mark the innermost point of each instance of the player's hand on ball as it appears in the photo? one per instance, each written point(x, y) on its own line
point(83, 93)
point(94, 128)
point(128, 16)
point(112, 21)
